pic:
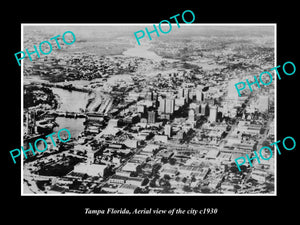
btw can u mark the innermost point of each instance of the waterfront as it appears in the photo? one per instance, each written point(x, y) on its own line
point(70, 101)
point(143, 52)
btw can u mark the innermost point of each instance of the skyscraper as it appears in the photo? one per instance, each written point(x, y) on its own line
point(170, 105)
point(199, 95)
point(149, 95)
point(180, 93)
point(151, 116)
point(197, 109)
point(186, 94)
point(162, 105)
point(155, 95)
point(168, 130)
point(191, 115)
point(204, 109)
point(213, 111)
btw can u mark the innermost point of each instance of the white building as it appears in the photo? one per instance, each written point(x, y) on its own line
point(127, 189)
point(90, 169)
point(213, 114)
point(191, 115)
point(161, 138)
point(168, 130)
point(199, 95)
point(170, 105)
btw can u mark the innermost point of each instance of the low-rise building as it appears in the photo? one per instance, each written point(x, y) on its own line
point(127, 189)
point(90, 169)
point(259, 175)
point(137, 181)
point(116, 179)
point(199, 172)
point(130, 167)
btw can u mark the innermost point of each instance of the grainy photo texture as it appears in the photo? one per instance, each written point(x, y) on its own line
point(160, 118)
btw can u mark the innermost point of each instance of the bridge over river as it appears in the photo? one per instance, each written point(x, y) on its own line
point(67, 114)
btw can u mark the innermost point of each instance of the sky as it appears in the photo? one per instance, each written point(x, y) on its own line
point(108, 31)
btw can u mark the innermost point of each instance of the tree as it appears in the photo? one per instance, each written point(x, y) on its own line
point(139, 169)
point(133, 174)
point(172, 161)
point(234, 169)
point(205, 189)
point(84, 176)
point(164, 160)
point(236, 186)
point(137, 190)
point(193, 179)
point(164, 183)
point(266, 143)
point(145, 182)
point(186, 188)
point(269, 187)
point(107, 172)
point(156, 167)
point(243, 168)
point(167, 177)
point(152, 183)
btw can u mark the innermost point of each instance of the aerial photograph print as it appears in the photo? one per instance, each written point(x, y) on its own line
point(107, 113)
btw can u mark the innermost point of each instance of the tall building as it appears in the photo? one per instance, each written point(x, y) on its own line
point(149, 95)
point(191, 115)
point(155, 95)
point(204, 109)
point(170, 105)
point(186, 94)
point(162, 105)
point(179, 102)
point(180, 93)
point(213, 111)
point(168, 130)
point(199, 95)
point(197, 109)
point(141, 108)
point(151, 116)
point(192, 94)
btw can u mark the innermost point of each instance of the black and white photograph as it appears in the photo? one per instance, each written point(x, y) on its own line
point(159, 117)
point(143, 112)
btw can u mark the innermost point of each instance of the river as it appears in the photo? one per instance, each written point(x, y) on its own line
point(143, 52)
point(74, 101)
point(70, 101)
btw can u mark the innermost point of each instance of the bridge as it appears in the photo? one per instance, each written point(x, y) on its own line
point(67, 114)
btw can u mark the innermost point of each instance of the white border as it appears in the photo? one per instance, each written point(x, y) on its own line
point(146, 24)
